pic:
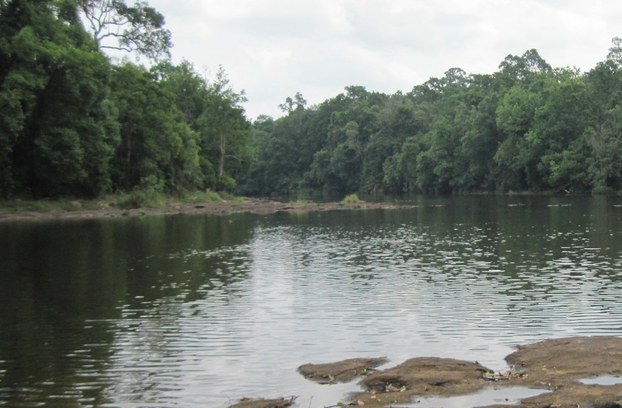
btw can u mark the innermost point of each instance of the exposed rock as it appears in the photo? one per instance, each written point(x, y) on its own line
point(577, 395)
point(563, 361)
point(265, 403)
point(342, 371)
point(421, 377)
point(429, 376)
point(556, 366)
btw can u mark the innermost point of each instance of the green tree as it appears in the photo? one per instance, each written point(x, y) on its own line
point(158, 149)
point(225, 131)
point(136, 28)
point(57, 127)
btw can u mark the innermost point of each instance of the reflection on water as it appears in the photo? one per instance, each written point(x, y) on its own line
point(201, 311)
point(605, 380)
point(487, 396)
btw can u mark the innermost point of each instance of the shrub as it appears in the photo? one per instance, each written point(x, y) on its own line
point(351, 199)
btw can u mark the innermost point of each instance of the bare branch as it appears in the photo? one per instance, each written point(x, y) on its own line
point(137, 27)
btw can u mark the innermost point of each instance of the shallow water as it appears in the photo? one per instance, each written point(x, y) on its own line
point(487, 396)
point(195, 311)
point(605, 380)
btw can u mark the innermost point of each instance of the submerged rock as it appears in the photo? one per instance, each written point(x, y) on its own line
point(341, 371)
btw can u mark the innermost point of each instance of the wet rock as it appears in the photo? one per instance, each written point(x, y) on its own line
point(555, 366)
point(605, 405)
point(563, 361)
point(264, 403)
point(422, 377)
point(341, 371)
point(428, 376)
point(577, 395)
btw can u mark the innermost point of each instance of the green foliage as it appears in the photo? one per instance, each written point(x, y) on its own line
point(196, 197)
point(299, 202)
point(527, 127)
point(136, 28)
point(57, 129)
point(149, 194)
point(351, 199)
point(71, 124)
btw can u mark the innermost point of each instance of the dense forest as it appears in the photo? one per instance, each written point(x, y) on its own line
point(72, 123)
point(526, 127)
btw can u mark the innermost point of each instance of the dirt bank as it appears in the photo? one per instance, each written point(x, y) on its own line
point(248, 205)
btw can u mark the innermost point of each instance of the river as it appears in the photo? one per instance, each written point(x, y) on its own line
point(200, 311)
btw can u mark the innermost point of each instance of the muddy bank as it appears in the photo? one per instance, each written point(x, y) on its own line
point(248, 205)
point(557, 367)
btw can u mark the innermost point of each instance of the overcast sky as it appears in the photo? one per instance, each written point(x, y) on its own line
point(275, 48)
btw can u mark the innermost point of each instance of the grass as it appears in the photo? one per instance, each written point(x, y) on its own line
point(196, 197)
point(148, 198)
point(19, 205)
point(298, 203)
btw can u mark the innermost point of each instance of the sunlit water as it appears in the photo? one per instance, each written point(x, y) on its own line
point(197, 311)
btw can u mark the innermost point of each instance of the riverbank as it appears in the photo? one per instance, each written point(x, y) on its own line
point(79, 209)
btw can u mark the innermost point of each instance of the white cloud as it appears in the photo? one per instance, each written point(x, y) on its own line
point(275, 48)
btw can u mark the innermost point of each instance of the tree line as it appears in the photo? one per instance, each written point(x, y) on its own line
point(526, 127)
point(72, 123)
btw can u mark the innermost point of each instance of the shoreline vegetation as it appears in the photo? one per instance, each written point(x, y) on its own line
point(209, 203)
point(75, 122)
point(139, 204)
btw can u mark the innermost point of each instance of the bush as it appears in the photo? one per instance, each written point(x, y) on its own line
point(201, 197)
point(351, 199)
point(149, 194)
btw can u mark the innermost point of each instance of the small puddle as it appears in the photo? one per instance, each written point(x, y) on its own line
point(488, 396)
point(602, 380)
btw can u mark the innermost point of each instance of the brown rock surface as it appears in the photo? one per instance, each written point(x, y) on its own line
point(341, 371)
point(420, 377)
point(563, 361)
point(265, 403)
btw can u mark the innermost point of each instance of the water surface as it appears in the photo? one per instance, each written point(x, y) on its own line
point(196, 311)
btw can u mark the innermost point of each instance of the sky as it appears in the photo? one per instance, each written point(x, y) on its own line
point(273, 49)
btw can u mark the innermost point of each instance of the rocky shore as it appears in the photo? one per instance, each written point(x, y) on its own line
point(557, 367)
point(247, 205)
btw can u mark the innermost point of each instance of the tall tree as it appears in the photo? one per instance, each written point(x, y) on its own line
point(224, 130)
point(137, 27)
point(158, 149)
point(57, 127)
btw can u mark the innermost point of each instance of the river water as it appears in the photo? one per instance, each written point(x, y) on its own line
point(200, 311)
